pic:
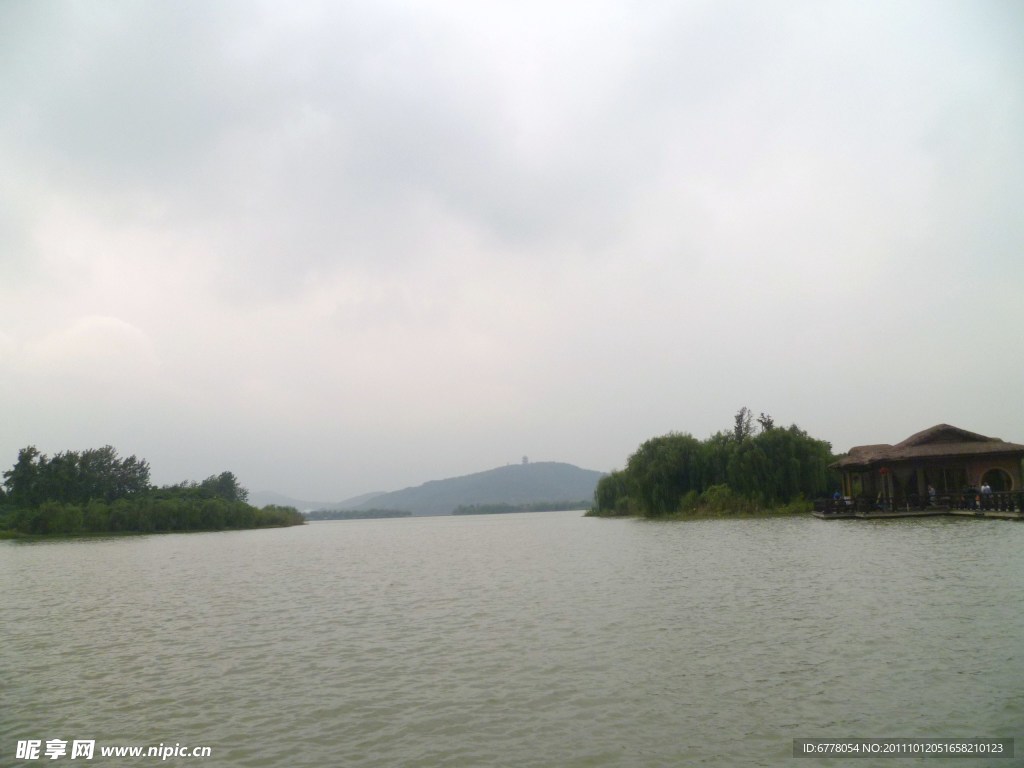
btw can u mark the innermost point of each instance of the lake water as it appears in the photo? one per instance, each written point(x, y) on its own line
point(544, 639)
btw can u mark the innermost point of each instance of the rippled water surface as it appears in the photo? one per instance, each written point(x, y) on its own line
point(543, 639)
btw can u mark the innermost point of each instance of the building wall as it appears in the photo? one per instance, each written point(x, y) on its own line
point(913, 477)
point(976, 469)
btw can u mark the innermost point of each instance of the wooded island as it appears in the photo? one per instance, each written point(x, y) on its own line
point(96, 491)
point(748, 470)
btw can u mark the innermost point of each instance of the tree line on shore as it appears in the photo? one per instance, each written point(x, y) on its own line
point(96, 491)
point(500, 509)
point(745, 470)
point(355, 514)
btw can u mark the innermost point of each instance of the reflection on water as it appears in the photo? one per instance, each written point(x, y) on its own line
point(517, 640)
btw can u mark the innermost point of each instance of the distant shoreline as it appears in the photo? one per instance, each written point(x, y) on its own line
point(355, 514)
point(507, 509)
point(14, 535)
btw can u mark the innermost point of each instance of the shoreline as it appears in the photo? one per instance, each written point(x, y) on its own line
point(745, 514)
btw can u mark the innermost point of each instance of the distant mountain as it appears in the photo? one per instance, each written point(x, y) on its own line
point(549, 481)
point(262, 498)
point(355, 502)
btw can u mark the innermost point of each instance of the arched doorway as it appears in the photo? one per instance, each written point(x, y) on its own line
point(998, 479)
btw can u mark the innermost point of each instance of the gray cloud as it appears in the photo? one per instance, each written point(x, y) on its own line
point(339, 247)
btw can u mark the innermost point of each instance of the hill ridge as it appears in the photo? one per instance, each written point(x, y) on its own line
point(528, 483)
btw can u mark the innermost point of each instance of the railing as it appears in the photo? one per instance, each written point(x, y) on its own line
point(995, 501)
point(844, 506)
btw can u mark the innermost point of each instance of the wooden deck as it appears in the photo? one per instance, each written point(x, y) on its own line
point(999, 506)
point(882, 515)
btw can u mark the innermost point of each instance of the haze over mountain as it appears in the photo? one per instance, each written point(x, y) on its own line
point(262, 498)
point(546, 481)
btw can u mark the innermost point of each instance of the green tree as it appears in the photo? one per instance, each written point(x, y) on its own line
point(60, 477)
point(743, 426)
point(611, 496)
point(675, 472)
point(128, 476)
point(24, 482)
point(71, 477)
point(96, 516)
point(211, 514)
point(662, 470)
point(714, 459)
point(96, 490)
point(225, 486)
point(273, 515)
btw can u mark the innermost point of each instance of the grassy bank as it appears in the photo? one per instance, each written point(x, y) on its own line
point(717, 502)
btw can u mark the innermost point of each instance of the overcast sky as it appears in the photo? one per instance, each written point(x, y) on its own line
point(342, 247)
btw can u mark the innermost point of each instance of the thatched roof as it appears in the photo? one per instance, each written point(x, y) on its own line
point(940, 441)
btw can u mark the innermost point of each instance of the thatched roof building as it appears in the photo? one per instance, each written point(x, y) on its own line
point(944, 458)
